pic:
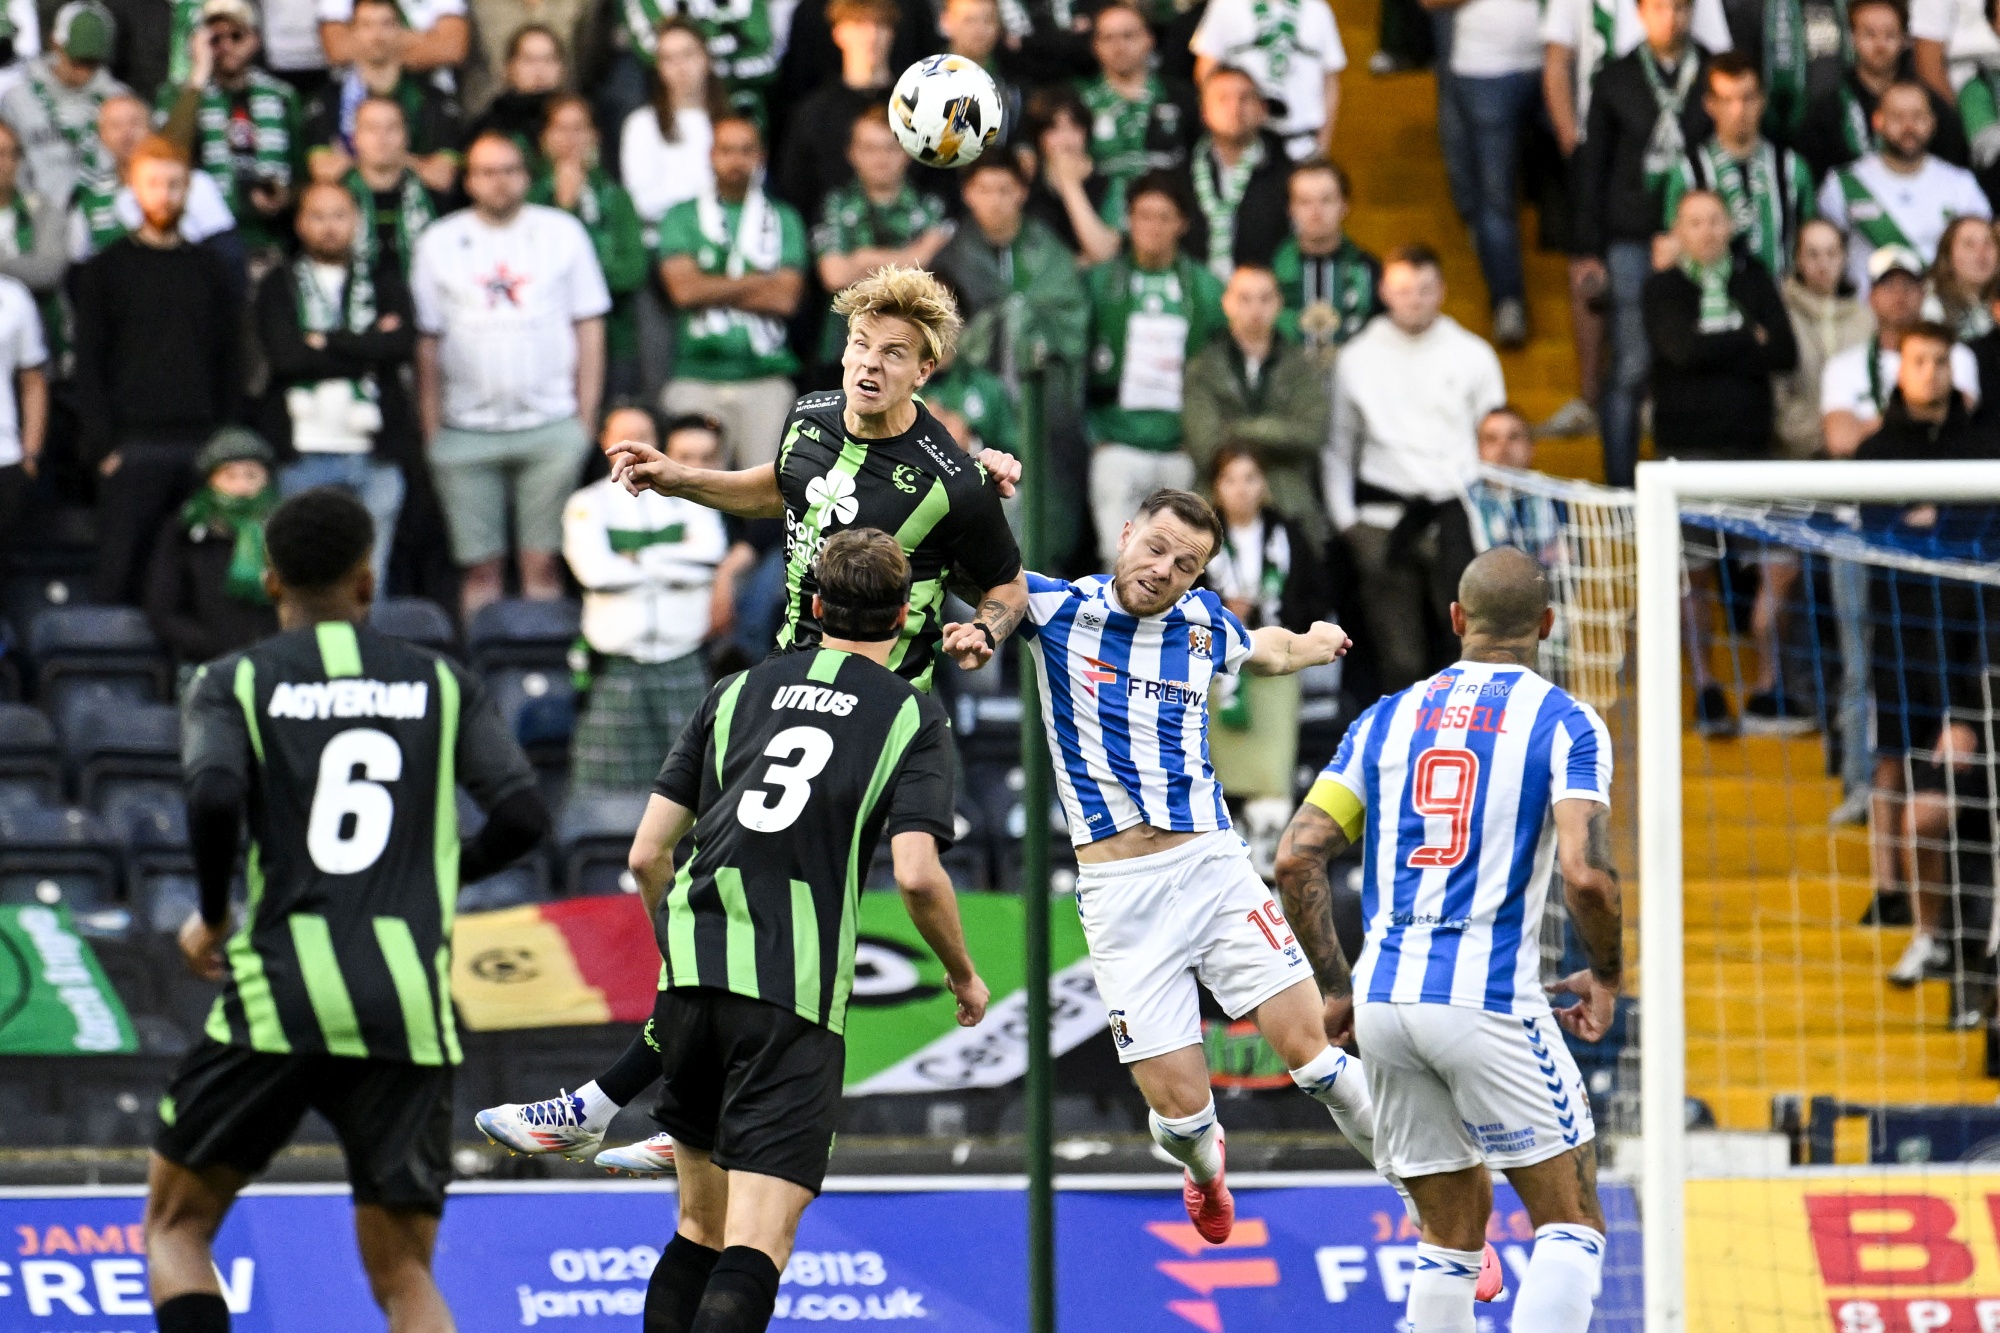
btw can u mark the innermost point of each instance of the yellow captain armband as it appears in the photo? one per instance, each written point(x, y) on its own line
point(1341, 805)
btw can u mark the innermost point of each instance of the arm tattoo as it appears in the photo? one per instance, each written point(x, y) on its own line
point(1597, 848)
point(1601, 930)
point(999, 617)
point(1309, 843)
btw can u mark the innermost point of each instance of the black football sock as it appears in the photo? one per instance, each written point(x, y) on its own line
point(674, 1294)
point(632, 1073)
point(742, 1292)
point(196, 1312)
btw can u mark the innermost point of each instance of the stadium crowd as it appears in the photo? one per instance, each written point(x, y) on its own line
point(439, 251)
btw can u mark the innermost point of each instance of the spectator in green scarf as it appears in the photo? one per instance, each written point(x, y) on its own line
point(205, 589)
point(571, 180)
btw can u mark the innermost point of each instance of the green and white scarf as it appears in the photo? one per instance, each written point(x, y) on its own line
point(354, 314)
point(1218, 191)
point(270, 106)
point(81, 135)
point(1856, 130)
point(1719, 313)
point(414, 212)
point(1866, 214)
point(1753, 192)
point(1787, 56)
point(97, 201)
point(755, 246)
point(1667, 146)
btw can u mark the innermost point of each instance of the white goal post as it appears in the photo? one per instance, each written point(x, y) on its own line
point(1663, 489)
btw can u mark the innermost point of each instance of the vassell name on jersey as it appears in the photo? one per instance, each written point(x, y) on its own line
point(920, 487)
point(796, 769)
point(351, 746)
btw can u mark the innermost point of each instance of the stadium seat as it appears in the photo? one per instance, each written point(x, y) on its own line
point(30, 770)
point(524, 882)
point(417, 620)
point(75, 647)
point(538, 706)
point(137, 743)
point(163, 899)
point(67, 856)
point(524, 633)
point(593, 836)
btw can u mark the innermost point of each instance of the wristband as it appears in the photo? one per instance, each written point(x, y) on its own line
point(983, 628)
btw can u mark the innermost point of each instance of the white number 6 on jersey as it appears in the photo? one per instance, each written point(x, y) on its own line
point(813, 748)
point(337, 847)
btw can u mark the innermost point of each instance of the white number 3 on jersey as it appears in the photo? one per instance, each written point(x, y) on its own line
point(352, 811)
point(794, 780)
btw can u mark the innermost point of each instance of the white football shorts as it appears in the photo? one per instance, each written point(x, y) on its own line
point(1455, 1086)
point(1155, 923)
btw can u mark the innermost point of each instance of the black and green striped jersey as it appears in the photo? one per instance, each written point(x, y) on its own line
point(919, 487)
point(351, 746)
point(795, 769)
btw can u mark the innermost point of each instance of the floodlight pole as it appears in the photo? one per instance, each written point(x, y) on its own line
point(1035, 882)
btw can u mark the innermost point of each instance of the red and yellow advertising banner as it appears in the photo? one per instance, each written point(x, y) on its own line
point(1886, 1251)
point(573, 961)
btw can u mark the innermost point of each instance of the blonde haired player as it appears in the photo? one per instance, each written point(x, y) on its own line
point(867, 455)
point(1465, 791)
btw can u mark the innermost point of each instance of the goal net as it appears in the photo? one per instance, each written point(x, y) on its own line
point(1799, 664)
point(1814, 706)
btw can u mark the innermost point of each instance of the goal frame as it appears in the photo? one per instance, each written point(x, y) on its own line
point(1662, 486)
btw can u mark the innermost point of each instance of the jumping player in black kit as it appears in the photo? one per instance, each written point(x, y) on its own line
point(787, 778)
point(344, 748)
point(867, 456)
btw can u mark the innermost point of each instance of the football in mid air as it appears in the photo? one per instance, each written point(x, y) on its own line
point(945, 111)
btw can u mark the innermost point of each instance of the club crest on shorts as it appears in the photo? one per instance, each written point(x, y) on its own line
point(1121, 1032)
point(1201, 641)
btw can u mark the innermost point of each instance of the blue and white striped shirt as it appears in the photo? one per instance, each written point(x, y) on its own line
point(1453, 784)
point(1125, 702)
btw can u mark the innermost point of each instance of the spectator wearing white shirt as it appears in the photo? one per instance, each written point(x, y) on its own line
point(1496, 66)
point(1574, 49)
point(510, 309)
point(1857, 383)
point(1409, 392)
point(1292, 49)
point(53, 104)
point(24, 398)
point(663, 147)
point(1954, 41)
point(1899, 194)
point(659, 580)
point(440, 37)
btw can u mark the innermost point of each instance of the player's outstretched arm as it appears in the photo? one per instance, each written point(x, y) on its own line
point(651, 859)
point(1000, 611)
point(1590, 888)
point(1311, 840)
point(751, 493)
point(1275, 651)
point(933, 909)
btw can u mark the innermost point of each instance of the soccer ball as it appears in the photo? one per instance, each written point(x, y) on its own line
point(945, 111)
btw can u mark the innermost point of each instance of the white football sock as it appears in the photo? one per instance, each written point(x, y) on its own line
point(598, 1109)
point(1441, 1291)
point(1563, 1278)
point(1335, 1080)
point(1194, 1141)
